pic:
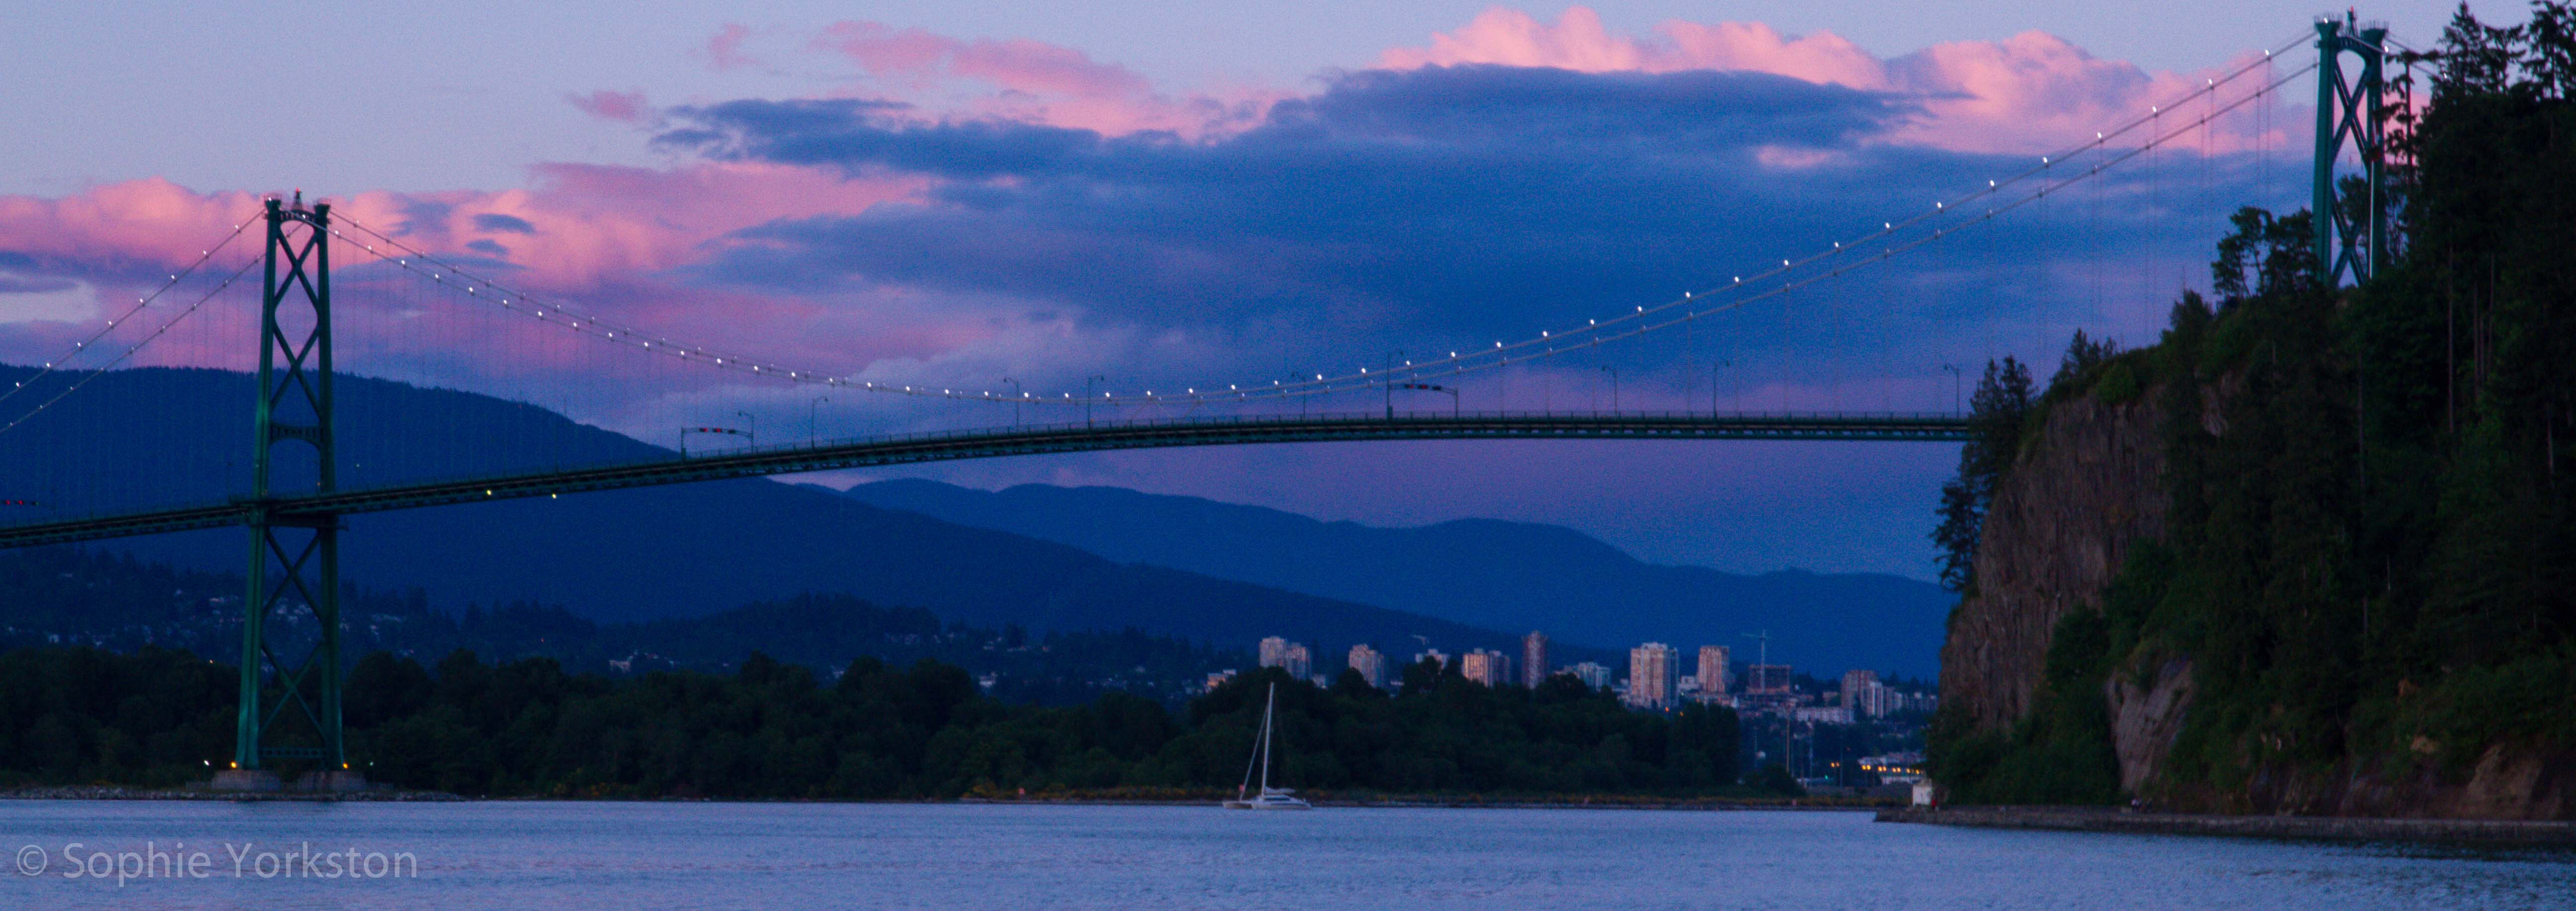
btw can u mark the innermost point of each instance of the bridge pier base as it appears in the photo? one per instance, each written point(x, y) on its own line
point(248, 781)
point(333, 782)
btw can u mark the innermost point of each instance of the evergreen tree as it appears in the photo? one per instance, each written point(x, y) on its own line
point(1996, 414)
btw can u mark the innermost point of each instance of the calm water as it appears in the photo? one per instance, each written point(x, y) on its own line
point(771, 856)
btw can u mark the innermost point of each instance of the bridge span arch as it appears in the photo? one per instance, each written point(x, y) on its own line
point(1038, 439)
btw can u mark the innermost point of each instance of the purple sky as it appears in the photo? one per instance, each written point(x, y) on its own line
point(949, 194)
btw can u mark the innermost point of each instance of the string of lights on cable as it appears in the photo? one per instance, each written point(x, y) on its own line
point(1888, 240)
point(131, 350)
point(140, 303)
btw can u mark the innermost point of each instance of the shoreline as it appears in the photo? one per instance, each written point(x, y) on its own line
point(1397, 801)
point(1446, 803)
point(113, 792)
point(2490, 832)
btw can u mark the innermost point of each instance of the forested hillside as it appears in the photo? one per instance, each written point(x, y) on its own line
point(2350, 586)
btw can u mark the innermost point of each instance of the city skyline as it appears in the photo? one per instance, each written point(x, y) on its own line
point(1713, 683)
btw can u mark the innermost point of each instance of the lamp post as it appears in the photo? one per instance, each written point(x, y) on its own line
point(1387, 381)
point(751, 425)
point(810, 408)
point(1614, 387)
point(1954, 386)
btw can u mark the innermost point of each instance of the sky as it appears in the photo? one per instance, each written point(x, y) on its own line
point(1178, 195)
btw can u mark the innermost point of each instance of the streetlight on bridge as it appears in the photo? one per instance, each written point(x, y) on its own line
point(1712, 384)
point(1387, 380)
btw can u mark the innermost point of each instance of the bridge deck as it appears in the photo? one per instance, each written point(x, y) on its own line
point(1010, 441)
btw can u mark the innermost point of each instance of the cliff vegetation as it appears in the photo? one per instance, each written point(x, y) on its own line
point(2314, 551)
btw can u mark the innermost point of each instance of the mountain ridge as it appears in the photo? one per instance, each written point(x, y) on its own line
point(629, 555)
point(1488, 572)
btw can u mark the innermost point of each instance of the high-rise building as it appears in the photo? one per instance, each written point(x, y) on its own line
point(1767, 679)
point(1490, 668)
point(1370, 664)
point(1857, 697)
point(1287, 656)
point(1651, 674)
point(1534, 666)
point(1433, 655)
point(1713, 670)
point(1592, 674)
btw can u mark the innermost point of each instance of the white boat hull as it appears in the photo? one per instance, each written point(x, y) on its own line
point(1287, 804)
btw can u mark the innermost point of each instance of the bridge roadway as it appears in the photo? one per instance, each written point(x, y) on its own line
point(1008, 441)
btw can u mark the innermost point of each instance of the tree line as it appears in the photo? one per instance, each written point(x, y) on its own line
point(771, 729)
point(64, 595)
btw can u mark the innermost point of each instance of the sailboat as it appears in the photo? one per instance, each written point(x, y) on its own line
point(1271, 798)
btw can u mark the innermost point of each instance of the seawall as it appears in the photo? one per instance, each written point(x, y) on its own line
point(2492, 832)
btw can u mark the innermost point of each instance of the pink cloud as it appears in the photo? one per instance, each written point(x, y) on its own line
point(724, 49)
point(624, 107)
point(1510, 37)
point(589, 224)
point(150, 221)
point(598, 238)
point(1823, 57)
point(1033, 81)
point(1017, 64)
point(2027, 93)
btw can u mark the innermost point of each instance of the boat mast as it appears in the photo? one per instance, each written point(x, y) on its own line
point(1267, 707)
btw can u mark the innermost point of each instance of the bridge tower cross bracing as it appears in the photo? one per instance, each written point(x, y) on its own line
point(2352, 234)
point(294, 558)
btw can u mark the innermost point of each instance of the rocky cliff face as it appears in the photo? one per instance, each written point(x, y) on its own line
point(2146, 717)
point(2083, 492)
point(2509, 781)
point(2060, 528)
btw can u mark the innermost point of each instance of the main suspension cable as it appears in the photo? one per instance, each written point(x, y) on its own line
point(139, 304)
point(130, 350)
point(1743, 289)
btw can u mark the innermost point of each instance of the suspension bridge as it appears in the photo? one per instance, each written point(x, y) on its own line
point(295, 500)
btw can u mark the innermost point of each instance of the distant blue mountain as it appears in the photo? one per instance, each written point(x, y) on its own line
point(157, 436)
point(1492, 574)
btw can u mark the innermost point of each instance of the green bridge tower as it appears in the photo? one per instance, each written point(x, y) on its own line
point(2351, 220)
point(290, 705)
